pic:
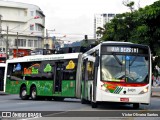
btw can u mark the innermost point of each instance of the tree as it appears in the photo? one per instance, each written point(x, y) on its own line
point(129, 4)
point(138, 26)
point(100, 31)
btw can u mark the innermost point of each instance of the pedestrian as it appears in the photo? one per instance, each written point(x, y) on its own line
point(152, 78)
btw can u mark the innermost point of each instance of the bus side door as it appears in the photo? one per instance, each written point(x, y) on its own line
point(58, 77)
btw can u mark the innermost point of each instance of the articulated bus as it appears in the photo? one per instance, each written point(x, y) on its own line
point(2, 71)
point(117, 72)
point(53, 76)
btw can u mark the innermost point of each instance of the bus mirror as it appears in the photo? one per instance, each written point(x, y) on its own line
point(96, 61)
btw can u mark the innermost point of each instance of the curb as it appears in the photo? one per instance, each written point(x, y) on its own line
point(3, 93)
point(155, 94)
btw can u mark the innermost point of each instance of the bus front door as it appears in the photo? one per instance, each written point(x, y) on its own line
point(58, 78)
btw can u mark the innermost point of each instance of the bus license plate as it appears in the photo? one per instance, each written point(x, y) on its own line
point(124, 99)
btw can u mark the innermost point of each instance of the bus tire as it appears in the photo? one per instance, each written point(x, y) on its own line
point(23, 93)
point(94, 105)
point(33, 93)
point(136, 105)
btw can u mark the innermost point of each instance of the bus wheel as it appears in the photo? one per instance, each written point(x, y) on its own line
point(94, 105)
point(23, 93)
point(33, 93)
point(136, 105)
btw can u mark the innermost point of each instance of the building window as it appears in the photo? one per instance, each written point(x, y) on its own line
point(30, 43)
point(32, 13)
point(20, 42)
point(1, 43)
point(35, 43)
point(31, 26)
point(38, 28)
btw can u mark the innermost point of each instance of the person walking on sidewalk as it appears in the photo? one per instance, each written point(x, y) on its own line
point(152, 78)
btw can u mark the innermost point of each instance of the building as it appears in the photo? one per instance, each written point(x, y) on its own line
point(100, 20)
point(21, 26)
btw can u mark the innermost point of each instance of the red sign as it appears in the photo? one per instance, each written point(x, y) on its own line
point(3, 55)
point(124, 99)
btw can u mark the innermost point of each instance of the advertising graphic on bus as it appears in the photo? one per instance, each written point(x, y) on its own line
point(46, 76)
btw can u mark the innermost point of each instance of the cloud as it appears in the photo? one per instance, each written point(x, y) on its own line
point(76, 16)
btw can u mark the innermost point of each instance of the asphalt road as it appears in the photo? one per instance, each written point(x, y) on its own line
point(58, 108)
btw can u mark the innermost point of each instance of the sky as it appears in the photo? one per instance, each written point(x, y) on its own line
point(75, 18)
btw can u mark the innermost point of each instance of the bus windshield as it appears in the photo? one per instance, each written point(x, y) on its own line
point(125, 68)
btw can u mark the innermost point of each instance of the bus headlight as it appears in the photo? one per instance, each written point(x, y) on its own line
point(104, 88)
point(145, 90)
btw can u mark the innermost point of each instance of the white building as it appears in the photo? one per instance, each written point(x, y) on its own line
point(25, 22)
point(100, 20)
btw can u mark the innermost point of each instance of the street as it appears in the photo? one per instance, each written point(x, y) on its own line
point(56, 108)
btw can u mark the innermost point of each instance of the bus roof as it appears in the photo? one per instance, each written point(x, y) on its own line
point(121, 42)
point(44, 57)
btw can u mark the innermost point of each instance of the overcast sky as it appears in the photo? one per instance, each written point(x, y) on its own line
point(74, 18)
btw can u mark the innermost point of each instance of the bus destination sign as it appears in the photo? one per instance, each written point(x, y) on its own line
point(122, 49)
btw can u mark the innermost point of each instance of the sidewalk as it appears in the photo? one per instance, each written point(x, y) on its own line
point(156, 91)
point(3, 93)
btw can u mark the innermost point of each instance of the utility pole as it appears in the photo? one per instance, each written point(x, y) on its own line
point(46, 45)
point(1, 29)
point(7, 44)
point(17, 45)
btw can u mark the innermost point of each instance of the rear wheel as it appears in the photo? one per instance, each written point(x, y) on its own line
point(23, 93)
point(136, 105)
point(33, 93)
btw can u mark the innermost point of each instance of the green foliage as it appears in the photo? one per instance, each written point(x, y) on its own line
point(139, 26)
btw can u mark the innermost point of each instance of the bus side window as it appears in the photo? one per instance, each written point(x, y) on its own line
point(16, 71)
point(31, 70)
point(83, 71)
point(90, 70)
point(69, 72)
point(10, 69)
point(47, 70)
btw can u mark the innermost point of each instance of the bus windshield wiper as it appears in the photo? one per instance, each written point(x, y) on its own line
point(117, 59)
point(133, 61)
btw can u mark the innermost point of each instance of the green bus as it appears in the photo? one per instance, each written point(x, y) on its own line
point(53, 76)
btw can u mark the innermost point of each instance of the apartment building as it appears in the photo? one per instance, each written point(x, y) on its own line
point(21, 26)
point(100, 20)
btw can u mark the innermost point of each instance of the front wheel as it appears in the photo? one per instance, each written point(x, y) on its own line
point(33, 93)
point(23, 93)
